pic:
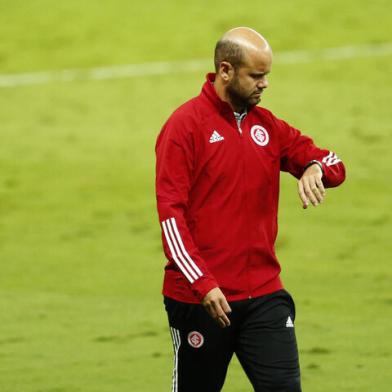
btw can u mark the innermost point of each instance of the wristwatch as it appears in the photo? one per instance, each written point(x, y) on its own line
point(313, 162)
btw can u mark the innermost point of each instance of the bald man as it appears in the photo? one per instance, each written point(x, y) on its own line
point(219, 157)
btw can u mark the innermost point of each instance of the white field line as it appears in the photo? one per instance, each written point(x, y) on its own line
point(174, 67)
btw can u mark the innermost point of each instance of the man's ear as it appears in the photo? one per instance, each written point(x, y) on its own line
point(226, 71)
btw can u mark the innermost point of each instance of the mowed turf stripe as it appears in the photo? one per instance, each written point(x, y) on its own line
point(172, 67)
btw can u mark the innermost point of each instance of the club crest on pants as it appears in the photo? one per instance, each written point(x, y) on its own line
point(259, 135)
point(195, 339)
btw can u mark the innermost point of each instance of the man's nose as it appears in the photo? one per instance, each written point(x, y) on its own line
point(263, 83)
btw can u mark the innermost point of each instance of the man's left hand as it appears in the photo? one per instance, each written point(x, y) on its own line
point(310, 186)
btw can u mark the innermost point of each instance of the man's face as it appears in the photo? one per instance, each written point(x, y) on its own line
point(249, 80)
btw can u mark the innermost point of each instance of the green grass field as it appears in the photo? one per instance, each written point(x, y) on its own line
point(80, 251)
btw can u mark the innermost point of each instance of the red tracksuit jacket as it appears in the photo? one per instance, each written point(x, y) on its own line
point(217, 188)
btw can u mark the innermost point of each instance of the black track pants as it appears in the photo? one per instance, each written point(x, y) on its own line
point(261, 335)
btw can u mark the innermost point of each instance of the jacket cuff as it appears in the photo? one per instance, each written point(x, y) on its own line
point(202, 286)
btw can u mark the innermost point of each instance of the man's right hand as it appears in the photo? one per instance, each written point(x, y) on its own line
point(217, 306)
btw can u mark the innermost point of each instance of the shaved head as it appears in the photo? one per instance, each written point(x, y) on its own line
point(236, 44)
point(243, 59)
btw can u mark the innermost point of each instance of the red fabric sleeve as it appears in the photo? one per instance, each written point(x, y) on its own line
point(297, 150)
point(174, 170)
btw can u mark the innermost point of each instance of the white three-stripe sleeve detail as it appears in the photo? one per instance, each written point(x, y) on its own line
point(333, 162)
point(325, 159)
point(192, 263)
point(177, 248)
point(175, 333)
point(331, 159)
point(174, 255)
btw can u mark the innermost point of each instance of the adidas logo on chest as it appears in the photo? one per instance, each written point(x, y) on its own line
point(215, 137)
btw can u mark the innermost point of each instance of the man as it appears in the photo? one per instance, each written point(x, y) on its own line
point(219, 157)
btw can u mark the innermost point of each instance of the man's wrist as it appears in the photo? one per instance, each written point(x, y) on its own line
point(203, 286)
point(315, 162)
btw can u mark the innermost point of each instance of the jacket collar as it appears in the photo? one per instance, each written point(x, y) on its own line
point(209, 92)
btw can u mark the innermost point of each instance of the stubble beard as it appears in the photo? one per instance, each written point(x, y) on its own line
point(239, 98)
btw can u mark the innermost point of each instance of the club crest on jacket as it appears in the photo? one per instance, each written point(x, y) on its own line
point(259, 135)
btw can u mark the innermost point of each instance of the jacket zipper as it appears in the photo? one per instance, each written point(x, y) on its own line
point(246, 203)
point(238, 125)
